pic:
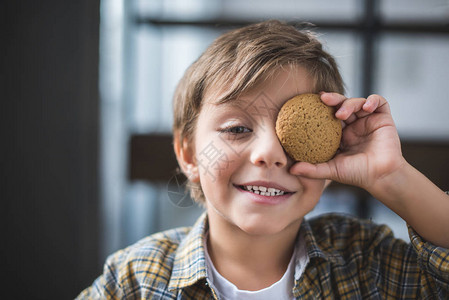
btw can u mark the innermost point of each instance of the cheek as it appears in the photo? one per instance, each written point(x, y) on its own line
point(216, 160)
point(312, 184)
point(312, 188)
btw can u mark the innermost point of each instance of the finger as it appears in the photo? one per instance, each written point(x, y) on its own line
point(373, 103)
point(352, 118)
point(349, 107)
point(318, 171)
point(376, 103)
point(332, 99)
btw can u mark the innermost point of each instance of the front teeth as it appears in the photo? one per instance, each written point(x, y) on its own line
point(264, 191)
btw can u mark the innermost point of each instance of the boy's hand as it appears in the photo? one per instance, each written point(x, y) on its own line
point(370, 157)
point(370, 149)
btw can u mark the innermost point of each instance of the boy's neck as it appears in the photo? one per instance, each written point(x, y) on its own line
point(251, 262)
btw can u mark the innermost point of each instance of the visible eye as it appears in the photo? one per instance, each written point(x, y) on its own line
point(236, 130)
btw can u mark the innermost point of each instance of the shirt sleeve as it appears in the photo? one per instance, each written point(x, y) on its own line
point(434, 262)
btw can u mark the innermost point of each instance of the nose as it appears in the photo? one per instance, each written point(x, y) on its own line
point(267, 150)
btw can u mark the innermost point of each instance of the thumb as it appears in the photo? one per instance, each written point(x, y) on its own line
point(317, 171)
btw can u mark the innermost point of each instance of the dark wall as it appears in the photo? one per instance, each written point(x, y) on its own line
point(49, 144)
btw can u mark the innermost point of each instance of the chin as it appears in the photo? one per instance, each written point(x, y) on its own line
point(262, 226)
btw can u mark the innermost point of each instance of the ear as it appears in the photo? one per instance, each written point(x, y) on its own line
point(185, 154)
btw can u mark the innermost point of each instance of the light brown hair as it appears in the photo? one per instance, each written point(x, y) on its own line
point(237, 61)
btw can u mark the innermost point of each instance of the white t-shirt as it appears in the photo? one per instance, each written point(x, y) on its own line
point(281, 290)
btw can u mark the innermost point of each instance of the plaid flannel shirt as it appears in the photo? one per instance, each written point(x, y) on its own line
point(349, 259)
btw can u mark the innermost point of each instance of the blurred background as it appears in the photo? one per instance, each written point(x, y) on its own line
point(87, 165)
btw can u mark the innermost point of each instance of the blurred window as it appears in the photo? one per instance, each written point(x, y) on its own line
point(412, 71)
point(415, 11)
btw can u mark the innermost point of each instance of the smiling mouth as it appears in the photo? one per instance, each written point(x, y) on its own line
point(263, 190)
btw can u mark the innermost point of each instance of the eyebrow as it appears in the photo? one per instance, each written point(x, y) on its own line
point(230, 103)
point(234, 102)
point(243, 102)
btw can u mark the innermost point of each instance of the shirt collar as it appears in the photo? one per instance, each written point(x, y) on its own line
point(189, 265)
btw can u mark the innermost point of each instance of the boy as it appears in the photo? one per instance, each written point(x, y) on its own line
point(250, 245)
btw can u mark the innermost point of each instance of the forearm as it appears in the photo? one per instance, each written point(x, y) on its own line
point(418, 201)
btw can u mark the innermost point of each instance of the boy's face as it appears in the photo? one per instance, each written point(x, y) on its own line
point(237, 152)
